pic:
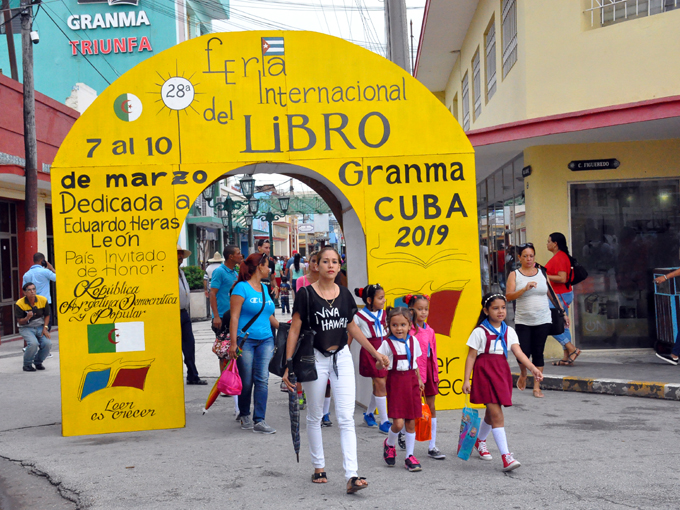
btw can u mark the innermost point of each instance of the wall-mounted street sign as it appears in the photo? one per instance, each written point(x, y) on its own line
point(305, 228)
point(526, 171)
point(594, 164)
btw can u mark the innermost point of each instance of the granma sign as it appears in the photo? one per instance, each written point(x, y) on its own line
point(297, 103)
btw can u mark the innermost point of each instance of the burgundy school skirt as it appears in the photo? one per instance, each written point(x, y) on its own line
point(491, 380)
point(403, 395)
point(367, 362)
point(431, 388)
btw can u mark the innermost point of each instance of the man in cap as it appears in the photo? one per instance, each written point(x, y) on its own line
point(213, 264)
point(188, 342)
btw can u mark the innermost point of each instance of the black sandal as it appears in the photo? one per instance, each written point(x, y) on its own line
point(563, 363)
point(354, 487)
point(319, 476)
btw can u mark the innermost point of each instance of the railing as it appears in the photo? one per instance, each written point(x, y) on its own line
point(609, 12)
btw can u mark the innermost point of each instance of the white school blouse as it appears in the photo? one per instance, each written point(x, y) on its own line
point(477, 341)
point(402, 365)
point(364, 327)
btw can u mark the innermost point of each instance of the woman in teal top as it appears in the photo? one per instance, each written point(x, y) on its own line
point(253, 363)
point(295, 271)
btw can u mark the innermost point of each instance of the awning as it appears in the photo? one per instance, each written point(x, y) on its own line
point(205, 221)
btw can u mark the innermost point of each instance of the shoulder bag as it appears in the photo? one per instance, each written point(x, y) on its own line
point(557, 313)
point(304, 361)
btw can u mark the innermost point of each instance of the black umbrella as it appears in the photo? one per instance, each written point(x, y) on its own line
point(294, 411)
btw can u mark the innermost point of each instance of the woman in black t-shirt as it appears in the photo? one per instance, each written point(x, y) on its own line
point(332, 311)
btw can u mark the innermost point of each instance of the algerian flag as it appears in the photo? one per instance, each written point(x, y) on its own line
point(118, 337)
point(127, 107)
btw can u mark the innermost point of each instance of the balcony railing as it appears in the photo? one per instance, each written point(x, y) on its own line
point(608, 12)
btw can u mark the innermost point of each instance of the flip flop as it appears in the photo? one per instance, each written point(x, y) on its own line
point(319, 476)
point(563, 363)
point(353, 487)
point(524, 385)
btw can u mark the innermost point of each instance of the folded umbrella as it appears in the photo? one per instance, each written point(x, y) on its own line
point(294, 411)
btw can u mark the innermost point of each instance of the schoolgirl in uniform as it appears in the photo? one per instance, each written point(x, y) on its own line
point(371, 321)
point(491, 378)
point(427, 363)
point(404, 385)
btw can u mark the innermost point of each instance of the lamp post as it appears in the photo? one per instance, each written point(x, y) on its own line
point(230, 205)
point(270, 217)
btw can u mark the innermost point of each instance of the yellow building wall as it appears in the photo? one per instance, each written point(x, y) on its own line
point(564, 64)
point(509, 103)
point(571, 66)
point(550, 178)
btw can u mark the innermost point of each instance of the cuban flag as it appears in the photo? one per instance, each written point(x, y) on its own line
point(272, 46)
point(117, 337)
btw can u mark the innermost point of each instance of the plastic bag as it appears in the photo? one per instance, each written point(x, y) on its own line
point(424, 424)
point(230, 380)
point(469, 427)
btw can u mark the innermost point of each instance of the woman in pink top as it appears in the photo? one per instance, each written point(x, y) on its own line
point(313, 274)
point(427, 362)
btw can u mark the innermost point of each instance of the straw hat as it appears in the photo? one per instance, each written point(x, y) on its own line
point(217, 257)
point(185, 253)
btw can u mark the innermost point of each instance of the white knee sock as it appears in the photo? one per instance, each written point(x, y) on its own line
point(484, 430)
point(434, 434)
point(381, 402)
point(410, 443)
point(501, 441)
point(392, 438)
point(371, 405)
point(327, 405)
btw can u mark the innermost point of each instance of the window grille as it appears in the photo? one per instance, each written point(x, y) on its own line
point(477, 84)
point(491, 61)
point(509, 35)
point(608, 12)
point(466, 103)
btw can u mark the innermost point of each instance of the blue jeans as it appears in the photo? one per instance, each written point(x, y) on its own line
point(37, 345)
point(676, 346)
point(567, 298)
point(253, 367)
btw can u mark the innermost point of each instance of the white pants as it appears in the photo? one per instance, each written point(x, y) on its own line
point(344, 394)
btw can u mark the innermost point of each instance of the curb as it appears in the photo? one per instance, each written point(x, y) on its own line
point(619, 387)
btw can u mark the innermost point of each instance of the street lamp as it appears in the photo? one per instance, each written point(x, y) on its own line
point(253, 205)
point(248, 186)
point(284, 202)
point(249, 220)
point(270, 217)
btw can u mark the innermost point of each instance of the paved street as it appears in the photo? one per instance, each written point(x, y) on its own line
point(578, 452)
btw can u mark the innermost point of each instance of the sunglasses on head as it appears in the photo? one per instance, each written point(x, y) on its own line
point(525, 245)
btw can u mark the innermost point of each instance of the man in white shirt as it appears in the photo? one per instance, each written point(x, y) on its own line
point(188, 341)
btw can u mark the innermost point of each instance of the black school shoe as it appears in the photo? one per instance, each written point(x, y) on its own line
point(29, 368)
point(39, 366)
point(668, 358)
point(200, 382)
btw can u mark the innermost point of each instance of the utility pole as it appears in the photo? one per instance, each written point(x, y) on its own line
point(396, 33)
point(30, 143)
point(7, 14)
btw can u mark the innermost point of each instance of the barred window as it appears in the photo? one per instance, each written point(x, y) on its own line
point(466, 103)
point(490, 61)
point(477, 84)
point(509, 35)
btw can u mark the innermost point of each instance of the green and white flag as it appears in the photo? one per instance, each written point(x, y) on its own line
point(127, 107)
point(118, 337)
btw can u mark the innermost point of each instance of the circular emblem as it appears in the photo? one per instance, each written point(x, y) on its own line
point(127, 107)
point(177, 93)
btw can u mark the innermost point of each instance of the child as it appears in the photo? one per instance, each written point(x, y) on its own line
point(427, 363)
point(371, 321)
point(284, 294)
point(491, 378)
point(404, 385)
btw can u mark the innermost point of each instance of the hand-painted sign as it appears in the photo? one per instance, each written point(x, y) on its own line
point(128, 172)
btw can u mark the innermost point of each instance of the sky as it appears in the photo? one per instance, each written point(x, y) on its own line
point(359, 21)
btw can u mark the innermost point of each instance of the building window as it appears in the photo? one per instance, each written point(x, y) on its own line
point(490, 59)
point(608, 12)
point(466, 103)
point(509, 35)
point(477, 84)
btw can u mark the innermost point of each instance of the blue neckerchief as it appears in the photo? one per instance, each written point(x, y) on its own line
point(405, 342)
point(499, 334)
point(376, 321)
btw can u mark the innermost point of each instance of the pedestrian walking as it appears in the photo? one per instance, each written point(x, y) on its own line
point(188, 341)
point(427, 362)
point(213, 263)
point(263, 246)
point(491, 385)
point(295, 270)
point(332, 308)
point(284, 294)
point(533, 320)
point(252, 319)
point(404, 385)
point(674, 357)
point(42, 273)
point(312, 275)
point(371, 320)
point(33, 315)
point(222, 281)
point(558, 269)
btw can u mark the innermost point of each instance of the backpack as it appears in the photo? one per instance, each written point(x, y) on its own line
point(577, 274)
